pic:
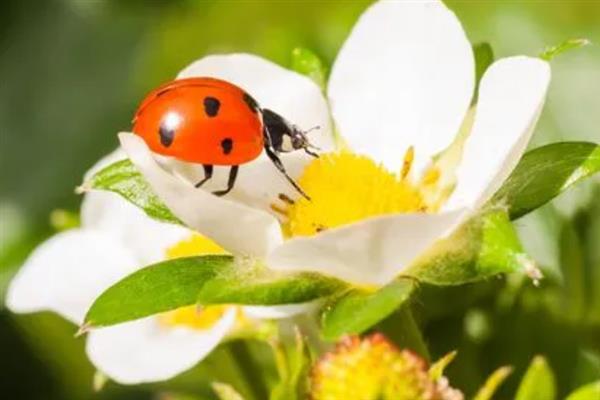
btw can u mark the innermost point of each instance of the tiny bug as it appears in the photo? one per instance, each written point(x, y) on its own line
point(214, 122)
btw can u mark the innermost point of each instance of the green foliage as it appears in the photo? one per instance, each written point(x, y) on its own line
point(492, 383)
point(357, 309)
point(482, 247)
point(293, 365)
point(436, 371)
point(484, 57)
point(308, 63)
point(160, 287)
point(62, 220)
point(570, 44)
point(226, 392)
point(123, 178)
point(257, 285)
point(544, 173)
point(538, 382)
point(590, 391)
point(205, 280)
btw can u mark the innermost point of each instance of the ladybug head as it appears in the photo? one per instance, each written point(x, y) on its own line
point(284, 136)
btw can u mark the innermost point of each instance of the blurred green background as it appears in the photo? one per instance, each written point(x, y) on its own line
point(73, 71)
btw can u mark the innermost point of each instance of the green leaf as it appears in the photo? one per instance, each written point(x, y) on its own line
point(158, 288)
point(492, 383)
point(253, 284)
point(591, 391)
point(123, 178)
point(225, 391)
point(484, 57)
point(484, 246)
point(357, 310)
point(538, 382)
point(552, 51)
point(544, 173)
point(308, 63)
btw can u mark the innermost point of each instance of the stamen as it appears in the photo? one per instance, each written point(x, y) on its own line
point(432, 176)
point(285, 198)
point(346, 187)
point(409, 157)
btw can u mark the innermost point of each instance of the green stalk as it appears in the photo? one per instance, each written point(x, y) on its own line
point(249, 370)
point(403, 330)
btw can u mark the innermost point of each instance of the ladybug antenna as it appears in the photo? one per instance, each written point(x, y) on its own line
point(314, 128)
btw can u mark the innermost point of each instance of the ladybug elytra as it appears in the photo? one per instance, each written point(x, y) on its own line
point(212, 122)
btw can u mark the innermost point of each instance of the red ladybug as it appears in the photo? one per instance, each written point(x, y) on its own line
point(213, 122)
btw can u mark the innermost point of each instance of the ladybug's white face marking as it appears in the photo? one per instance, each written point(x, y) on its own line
point(286, 144)
point(167, 128)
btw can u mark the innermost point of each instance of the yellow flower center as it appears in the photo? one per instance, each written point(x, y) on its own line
point(345, 188)
point(371, 369)
point(194, 317)
point(195, 245)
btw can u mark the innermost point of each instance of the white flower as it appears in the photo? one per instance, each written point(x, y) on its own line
point(67, 272)
point(402, 85)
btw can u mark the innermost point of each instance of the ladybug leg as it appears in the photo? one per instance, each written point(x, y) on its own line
point(279, 165)
point(311, 153)
point(232, 176)
point(208, 171)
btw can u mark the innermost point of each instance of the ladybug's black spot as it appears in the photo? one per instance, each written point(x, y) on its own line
point(227, 145)
point(251, 103)
point(167, 134)
point(211, 106)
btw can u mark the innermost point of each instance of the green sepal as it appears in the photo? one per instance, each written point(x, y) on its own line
point(591, 391)
point(492, 383)
point(253, 284)
point(484, 246)
point(293, 362)
point(538, 383)
point(356, 310)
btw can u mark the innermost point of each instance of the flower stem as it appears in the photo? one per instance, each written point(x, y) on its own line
point(249, 369)
point(402, 328)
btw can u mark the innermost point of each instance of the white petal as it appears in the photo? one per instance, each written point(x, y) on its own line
point(67, 272)
point(278, 312)
point(373, 251)
point(511, 97)
point(258, 185)
point(147, 238)
point(116, 155)
point(146, 351)
point(237, 228)
point(295, 97)
point(404, 76)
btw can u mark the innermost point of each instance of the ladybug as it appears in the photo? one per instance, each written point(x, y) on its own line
point(213, 122)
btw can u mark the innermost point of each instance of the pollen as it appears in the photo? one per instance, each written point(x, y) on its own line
point(372, 368)
point(345, 188)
